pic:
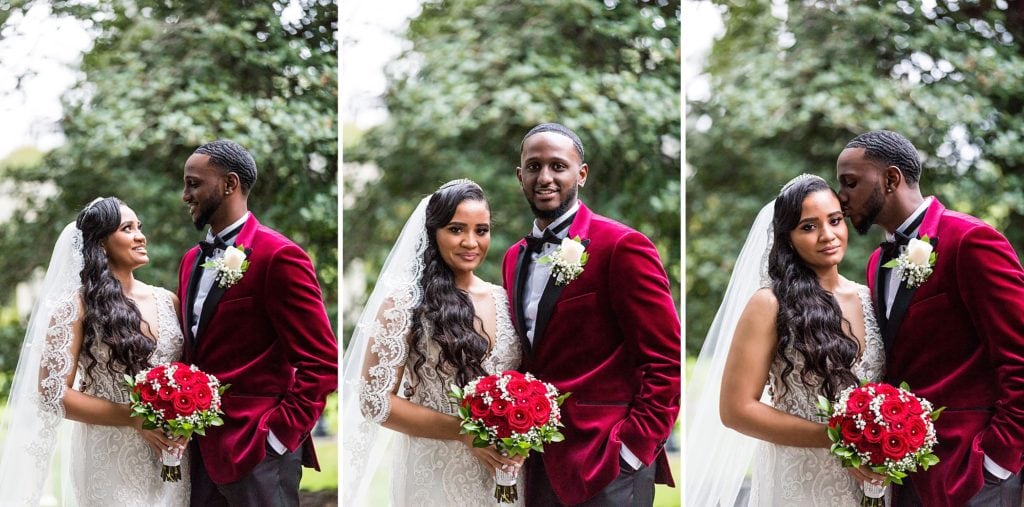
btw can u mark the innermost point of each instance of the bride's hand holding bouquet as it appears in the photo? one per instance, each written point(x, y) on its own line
point(514, 412)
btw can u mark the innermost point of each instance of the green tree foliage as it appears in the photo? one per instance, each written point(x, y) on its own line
point(481, 73)
point(163, 77)
point(792, 82)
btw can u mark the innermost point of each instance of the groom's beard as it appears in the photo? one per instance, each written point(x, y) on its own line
point(206, 211)
point(871, 210)
point(560, 210)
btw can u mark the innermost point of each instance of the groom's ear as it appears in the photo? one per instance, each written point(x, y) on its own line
point(232, 183)
point(893, 178)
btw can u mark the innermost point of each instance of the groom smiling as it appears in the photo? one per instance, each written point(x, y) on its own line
point(609, 334)
point(266, 333)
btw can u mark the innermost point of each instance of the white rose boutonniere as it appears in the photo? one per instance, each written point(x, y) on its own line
point(916, 263)
point(567, 260)
point(230, 266)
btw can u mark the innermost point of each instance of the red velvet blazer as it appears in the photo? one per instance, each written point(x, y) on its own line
point(958, 340)
point(269, 337)
point(612, 338)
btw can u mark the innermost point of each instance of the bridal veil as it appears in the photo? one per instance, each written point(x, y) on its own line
point(376, 353)
point(719, 458)
point(35, 407)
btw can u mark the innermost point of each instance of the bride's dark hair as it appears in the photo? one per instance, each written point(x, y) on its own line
point(446, 314)
point(809, 319)
point(110, 316)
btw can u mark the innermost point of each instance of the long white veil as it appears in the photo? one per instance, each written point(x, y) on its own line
point(35, 407)
point(718, 458)
point(377, 350)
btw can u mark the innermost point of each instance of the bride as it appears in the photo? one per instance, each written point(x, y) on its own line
point(429, 323)
point(92, 324)
point(804, 330)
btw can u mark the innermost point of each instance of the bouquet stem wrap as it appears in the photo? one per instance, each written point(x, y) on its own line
point(874, 495)
point(505, 486)
point(171, 471)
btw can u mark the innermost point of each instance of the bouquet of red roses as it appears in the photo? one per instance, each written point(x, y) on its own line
point(885, 428)
point(179, 399)
point(514, 412)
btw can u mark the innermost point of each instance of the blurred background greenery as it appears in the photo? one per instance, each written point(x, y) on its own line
point(474, 76)
point(790, 82)
point(160, 78)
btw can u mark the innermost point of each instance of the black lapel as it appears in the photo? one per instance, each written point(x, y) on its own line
point(881, 286)
point(193, 288)
point(519, 285)
point(547, 305)
point(212, 299)
point(899, 307)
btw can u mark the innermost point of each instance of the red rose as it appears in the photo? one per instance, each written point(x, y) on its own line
point(203, 396)
point(540, 409)
point(895, 446)
point(156, 373)
point(183, 376)
point(893, 409)
point(858, 402)
point(914, 406)
point(885, 389)
point(538, 387)
point(518, 388)
point(184, 404)
point(873, 433)
point(500, 424)
point(512, 374)
point(146, 392)
point(519, 419)
point(915, 432)
point(166, 393)
point(500, 406)
point(850, 432)
point(486, 384)
point(875, 448)
point(478, 407)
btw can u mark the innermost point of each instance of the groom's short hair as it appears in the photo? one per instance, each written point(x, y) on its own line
point(890, 148)
point(232, 157)
point(558, 128)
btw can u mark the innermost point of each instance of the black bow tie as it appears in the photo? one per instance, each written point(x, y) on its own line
point(891, 249)
point(208, 247)
point(536, 245)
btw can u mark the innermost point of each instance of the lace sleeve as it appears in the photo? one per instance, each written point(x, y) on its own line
point(55, 362)
point(385, 358)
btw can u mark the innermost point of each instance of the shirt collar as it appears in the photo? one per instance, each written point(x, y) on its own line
point(233, 228)
point(554, 225)
point(923, 207)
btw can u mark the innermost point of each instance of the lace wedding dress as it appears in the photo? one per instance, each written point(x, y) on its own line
point(795, 476)
point(427, 472)
point(113, 465)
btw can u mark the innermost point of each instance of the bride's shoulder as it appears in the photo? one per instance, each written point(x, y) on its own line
point(763, 300)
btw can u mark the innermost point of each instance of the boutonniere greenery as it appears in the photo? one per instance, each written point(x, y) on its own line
point(230, 266)
point(567, 260)
point(915, 263)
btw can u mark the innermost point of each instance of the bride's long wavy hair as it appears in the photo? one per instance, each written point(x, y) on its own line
point(110, 317)
point(809, 320)
point(446, 314)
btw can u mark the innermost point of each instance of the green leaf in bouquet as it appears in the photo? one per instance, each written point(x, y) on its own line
point(929, 460)
point(936, 413)
point(905, 386)
point(199, 431)
point(456, 392)
point(130, 380)
point(561, 398)
point(216, 421)
point(221, 389)
point(855, 461)
point(864, 382)
point(463, 412)
point(824, 406)
point(833, 434)
point(843, 452)
point(556, 436)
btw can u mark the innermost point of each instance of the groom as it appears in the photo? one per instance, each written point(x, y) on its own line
point(611, 336)
point(957, 338)
point(267, 334)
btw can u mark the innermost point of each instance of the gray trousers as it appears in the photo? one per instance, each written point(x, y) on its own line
point(994, 493)
point(274, 482)
point(633, 488)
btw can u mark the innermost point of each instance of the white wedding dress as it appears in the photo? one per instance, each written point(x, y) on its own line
point(113, 465)
point(795, 476)
point(427, 472)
